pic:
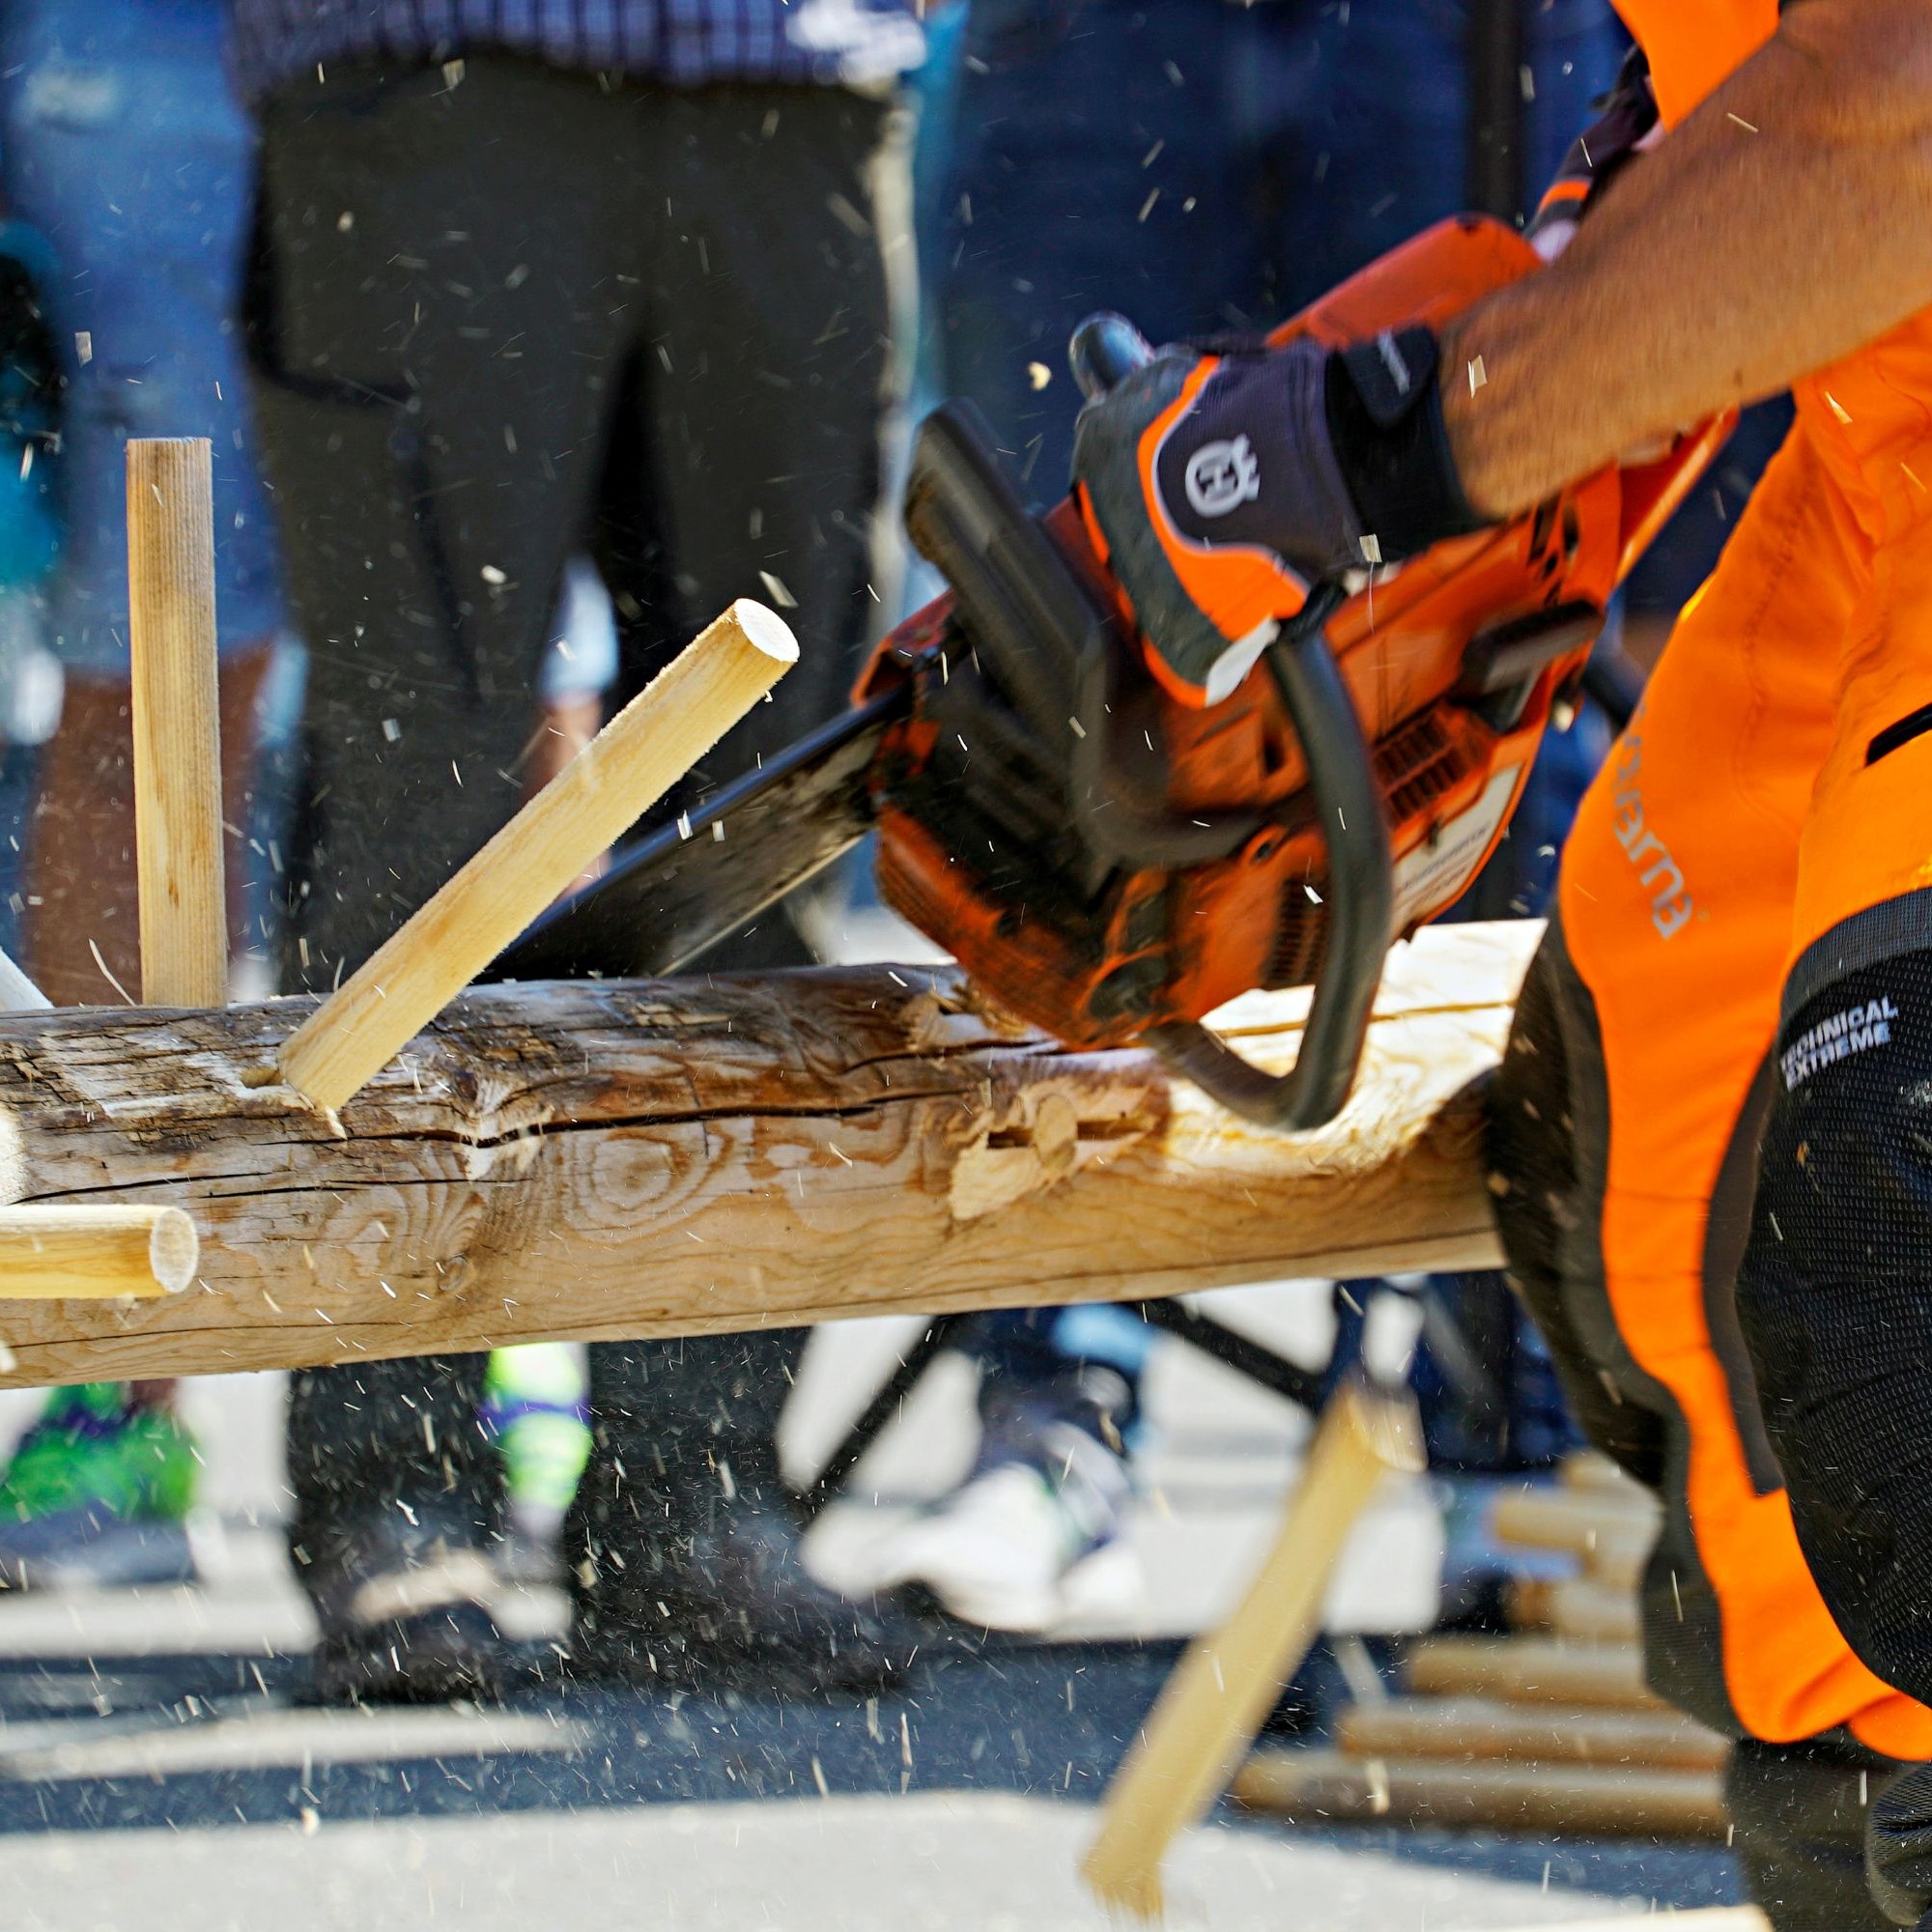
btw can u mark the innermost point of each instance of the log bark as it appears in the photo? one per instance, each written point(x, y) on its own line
point(600, 1160)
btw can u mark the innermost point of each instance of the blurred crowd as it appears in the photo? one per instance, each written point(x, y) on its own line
point(526, 339)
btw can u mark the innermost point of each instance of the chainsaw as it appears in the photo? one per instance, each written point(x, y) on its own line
point(1348, 791)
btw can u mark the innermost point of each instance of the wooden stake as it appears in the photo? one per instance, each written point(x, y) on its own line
point(58, 1254)
point(1532, 1670)
point(597, 797)
point(1467, 1728)
point(1222, 1688)
point(1585, 1798)
point(176, 723)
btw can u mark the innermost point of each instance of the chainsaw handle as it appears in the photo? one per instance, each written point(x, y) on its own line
point(1361, 904)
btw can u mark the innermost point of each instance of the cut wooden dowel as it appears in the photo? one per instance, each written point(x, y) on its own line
point(176, 723)
point(1532, 1670)
point(61, 1254)
point(597, 797)
point(1214, 1702)
point(1612, 1535)
point(17, 993)
point(1580, 1798)
point(1465, 1729)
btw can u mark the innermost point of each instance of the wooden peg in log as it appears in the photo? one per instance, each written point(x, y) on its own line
point(176, 723)
point(61, 1254)
point(597, 797)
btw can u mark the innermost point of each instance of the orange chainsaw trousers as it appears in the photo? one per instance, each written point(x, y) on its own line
point(1763, 827)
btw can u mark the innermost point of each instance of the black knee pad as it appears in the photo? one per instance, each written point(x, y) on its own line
point(1835, 1297)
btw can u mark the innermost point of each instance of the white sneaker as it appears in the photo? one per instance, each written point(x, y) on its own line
point(1022, 1549)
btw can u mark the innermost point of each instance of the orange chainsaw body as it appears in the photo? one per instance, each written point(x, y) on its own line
point(1455, 662)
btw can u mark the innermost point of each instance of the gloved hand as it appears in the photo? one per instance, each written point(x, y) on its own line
point(1224, 486)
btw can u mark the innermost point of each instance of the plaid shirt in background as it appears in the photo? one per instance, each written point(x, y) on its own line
point(687, 42)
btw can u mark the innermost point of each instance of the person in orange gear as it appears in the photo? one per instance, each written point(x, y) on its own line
point(1713, 1129)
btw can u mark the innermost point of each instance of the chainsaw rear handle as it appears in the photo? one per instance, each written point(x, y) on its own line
point(1361, 904)
point(1348, 806)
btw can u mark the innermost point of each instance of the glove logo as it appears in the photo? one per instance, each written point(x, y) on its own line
point(1222, 477)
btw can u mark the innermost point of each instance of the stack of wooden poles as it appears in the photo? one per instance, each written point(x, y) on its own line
point(1549, 1728)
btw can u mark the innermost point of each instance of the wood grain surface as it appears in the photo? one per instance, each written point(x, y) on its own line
point(608, 1159)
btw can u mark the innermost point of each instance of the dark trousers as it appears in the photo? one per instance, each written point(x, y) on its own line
point(492, 323)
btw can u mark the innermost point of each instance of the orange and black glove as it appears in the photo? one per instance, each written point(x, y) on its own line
point(1223, 486)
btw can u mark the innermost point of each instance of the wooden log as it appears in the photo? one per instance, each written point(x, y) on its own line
point(94, 1253)
point(1466, 1729)
point(559, 834)
point(1582, 1607)
point(1593, 1800)
point(603, 1160)
point(176, 714)
point(1575, 1607)
point(1532, 1670)
point(1610, 1534)
point(1217, 1697)
point(1579, 1522)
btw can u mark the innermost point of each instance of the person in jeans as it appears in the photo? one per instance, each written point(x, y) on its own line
point(522, 275)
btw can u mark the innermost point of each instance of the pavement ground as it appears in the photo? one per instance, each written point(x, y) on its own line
point(157, 1769)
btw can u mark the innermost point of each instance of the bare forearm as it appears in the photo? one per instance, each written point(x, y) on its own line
point(1785, 223)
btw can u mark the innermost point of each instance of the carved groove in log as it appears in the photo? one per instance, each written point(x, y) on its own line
point(597, 1160)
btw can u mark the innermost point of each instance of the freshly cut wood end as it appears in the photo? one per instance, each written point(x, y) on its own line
point(174, 1249)
point(1391, 1427)
point(764, 630)
point(1128, 1893)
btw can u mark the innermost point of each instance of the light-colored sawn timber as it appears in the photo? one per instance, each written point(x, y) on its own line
point(674, 1158)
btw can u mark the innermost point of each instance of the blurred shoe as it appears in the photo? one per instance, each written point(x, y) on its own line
point(405, 1620)
point(1033, 1539)
point(731, 1601)
point(536, 1406)
point(97, 1496)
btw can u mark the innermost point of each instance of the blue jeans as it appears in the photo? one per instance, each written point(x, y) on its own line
point(1200, 164)
point(120, 142)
